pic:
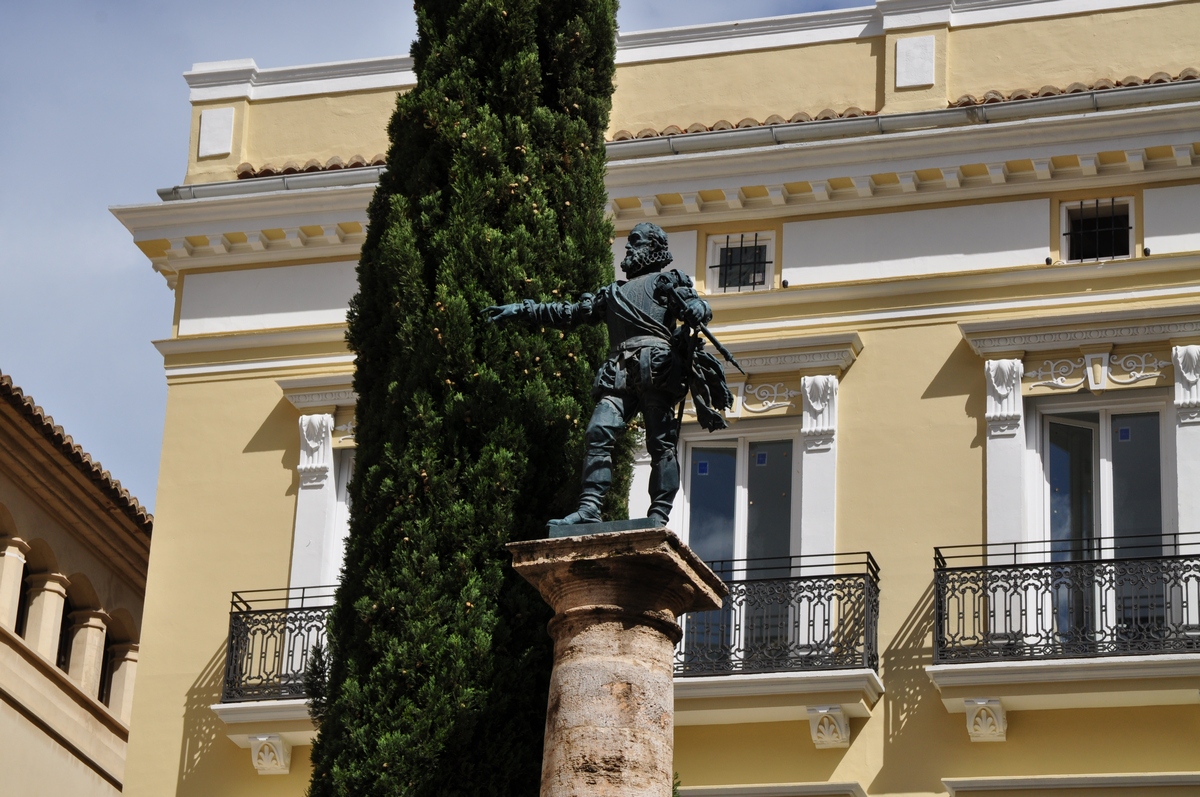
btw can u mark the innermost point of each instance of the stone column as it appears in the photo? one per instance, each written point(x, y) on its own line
point(610, 719)
point(47, 596)
point(12, 571)
point(124, 670)
point(316, 503)
point(87, 649)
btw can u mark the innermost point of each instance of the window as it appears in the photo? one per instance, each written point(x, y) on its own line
point(1097, 229)
point(744, 261)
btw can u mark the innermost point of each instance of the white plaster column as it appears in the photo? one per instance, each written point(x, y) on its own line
point(12, 574)
point(124, 671)
point(1186, 360)
point(1005, 416)
point(87, 649)
point(316, 503)
point(818, 467)
point(47, 597)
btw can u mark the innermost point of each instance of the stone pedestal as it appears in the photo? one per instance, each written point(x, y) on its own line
point(610, 715)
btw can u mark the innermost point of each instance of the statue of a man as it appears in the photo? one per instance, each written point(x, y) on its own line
point(651, 364)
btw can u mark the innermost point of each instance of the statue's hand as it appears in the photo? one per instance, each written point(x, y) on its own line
point(502, 312)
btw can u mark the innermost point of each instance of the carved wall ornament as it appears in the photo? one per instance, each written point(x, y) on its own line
point(819, 424)
point(1005, 407)
point(1187, 383)
point(271, 754)
point(1137, 367)
point(829, 726)
point(1059, 374)
point(770, 397)
point(316, 450)
point(986, 720)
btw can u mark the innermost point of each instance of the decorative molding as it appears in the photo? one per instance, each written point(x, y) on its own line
point(242, 79)
point(829, 726)
point(271, 754)
point(1057, 374)
point(1046, 333)
point(1137, 367)
point(1187, 383)
point(770, 397)
point(323, 398)
point(957, 786)
point(1005, 407)
point(839, 359)
point(986, 720)
point(820, 411)
point(316, 450)
point(1096, 370)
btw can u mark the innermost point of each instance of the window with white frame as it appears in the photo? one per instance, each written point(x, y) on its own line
point(1104, 475)
point(741, 262)
point(742, 497)
point(1097, 229)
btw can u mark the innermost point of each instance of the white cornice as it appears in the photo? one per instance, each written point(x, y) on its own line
point(225, 369)
point(319, 391)
point(807, 682)
point(1185, 665)
point(956, 786)
point(833, 352)
point(1046, 332)
point(249, 340)
point(242, 79)
point(846, 789)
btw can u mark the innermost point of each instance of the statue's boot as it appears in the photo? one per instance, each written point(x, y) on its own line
point(597, 478)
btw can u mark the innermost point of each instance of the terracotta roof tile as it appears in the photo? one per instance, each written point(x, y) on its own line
point(1075, 88)
point(103, 480)
point(247, 171)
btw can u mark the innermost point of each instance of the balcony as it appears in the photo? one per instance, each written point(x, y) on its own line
point(795, 639)
point(272, 634)
point(1066, 624)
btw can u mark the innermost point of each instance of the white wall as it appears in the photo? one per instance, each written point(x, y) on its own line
point(911, 243)
point(1172, 219)
point(266, 298)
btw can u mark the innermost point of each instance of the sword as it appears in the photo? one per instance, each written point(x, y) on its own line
point(717, 345)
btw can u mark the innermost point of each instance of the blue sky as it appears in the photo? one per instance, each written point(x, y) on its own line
point(93, 113)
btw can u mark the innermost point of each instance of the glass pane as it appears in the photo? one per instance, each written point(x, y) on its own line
point(712, 501)
point(1072, 482)
point(769, 514)
point(1137, 484)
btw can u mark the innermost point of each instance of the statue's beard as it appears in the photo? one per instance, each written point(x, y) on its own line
point(643, 261)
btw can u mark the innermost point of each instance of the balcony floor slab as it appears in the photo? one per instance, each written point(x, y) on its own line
point(773, 697)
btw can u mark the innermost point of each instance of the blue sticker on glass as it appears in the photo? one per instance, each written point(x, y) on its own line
point(1124, 434)
point(760, 458)
point(702, 468)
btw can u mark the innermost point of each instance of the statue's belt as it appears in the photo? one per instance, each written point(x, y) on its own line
point(642, 341)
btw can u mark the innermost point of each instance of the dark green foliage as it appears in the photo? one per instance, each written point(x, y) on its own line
point(469, 435)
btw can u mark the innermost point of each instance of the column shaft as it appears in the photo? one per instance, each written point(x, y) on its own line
point(87, 650)
point(12, 573)
point(47, 597)
point(124, 671)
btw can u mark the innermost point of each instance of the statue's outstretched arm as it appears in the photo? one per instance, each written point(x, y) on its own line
point(562, 315)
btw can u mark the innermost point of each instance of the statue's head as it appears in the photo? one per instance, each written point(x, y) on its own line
point(646, 250)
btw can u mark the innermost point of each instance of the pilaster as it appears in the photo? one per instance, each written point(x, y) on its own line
point(47, 597)
point(916, 34)
point(12, 571)
point(818, 471)
point(87, 649)
point(1186, 360)
point(316, 504)
point(1005, 418)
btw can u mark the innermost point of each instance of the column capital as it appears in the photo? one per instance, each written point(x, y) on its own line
point(316, 450)
point(1005, 409)
point(90, 618)
point(49, 582)
point(126, 651)
point(819, 424)
point(14, 546)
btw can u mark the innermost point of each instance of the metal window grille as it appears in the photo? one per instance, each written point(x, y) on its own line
point(1097, 229)
point(742, 264)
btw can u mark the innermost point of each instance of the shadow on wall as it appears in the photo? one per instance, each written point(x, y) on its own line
point(202, 730)
point(915, 722)
point(280, 432)
point(962, 375)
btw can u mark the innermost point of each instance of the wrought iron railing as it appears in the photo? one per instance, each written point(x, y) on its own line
point(1063, 599)
point(784, 614)
point(272, 633)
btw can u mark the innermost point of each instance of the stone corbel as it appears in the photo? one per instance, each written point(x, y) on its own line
point(1005, 409)
point(830, 727)
point(1187, 383)
point(316, 450)
point(271, 754)
point(819, 425)
point(986, 720)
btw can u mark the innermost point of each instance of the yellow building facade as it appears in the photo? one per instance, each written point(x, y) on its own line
point(956, 246)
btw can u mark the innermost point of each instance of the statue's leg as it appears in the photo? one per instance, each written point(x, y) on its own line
point(608, 421)
point(662, 435)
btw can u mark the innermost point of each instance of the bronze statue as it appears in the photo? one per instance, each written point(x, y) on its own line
point(651, 365)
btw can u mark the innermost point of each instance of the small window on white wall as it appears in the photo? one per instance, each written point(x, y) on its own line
point(1097, 229)
point(741, 262)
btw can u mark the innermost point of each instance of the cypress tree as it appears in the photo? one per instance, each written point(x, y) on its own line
point(469, 435)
